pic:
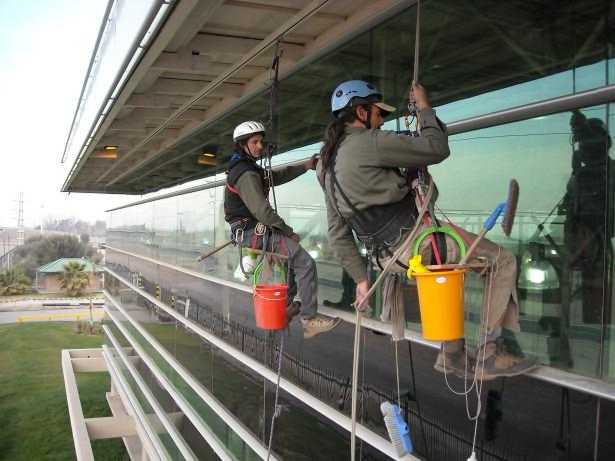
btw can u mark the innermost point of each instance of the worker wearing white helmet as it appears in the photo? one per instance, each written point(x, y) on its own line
point(246, 205)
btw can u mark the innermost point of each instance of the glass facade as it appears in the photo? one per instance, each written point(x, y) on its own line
point(559, 237)
point(477, 58)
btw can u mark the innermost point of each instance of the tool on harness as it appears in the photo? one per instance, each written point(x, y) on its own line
point(214, 251)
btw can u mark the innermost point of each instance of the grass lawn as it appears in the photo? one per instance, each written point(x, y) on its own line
point(34, 422)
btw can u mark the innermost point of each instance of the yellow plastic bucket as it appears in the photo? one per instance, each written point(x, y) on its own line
point(441, 304)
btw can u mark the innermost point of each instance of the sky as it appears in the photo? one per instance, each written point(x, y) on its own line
point(45, 48)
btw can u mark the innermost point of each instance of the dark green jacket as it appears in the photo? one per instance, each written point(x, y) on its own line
point(250, 189)
point(367, 168)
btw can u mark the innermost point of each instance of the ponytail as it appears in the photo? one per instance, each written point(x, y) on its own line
point(334, 134)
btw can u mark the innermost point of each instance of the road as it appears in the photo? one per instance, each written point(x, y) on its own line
point(62, 315)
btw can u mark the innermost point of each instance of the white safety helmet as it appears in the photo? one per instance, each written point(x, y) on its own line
point(246, 129)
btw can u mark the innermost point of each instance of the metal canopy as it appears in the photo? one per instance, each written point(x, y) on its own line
point(208, 58)
point(209, 68)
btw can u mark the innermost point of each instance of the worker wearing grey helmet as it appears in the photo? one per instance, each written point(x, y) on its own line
point(369, 196)
point(246, 206)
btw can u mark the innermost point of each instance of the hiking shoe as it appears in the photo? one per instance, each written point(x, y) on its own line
point(318, 324)
point(455, 363)
point(500, 361)
point(292, 310)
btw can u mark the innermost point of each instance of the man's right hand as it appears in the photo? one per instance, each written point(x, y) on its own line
point(360, 302)
point(418, 95)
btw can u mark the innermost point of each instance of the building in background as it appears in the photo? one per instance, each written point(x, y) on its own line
point(49, 276)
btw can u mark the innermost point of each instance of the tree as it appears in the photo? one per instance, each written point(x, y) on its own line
point(74, 280)
point(41, 250)
point(14, 282)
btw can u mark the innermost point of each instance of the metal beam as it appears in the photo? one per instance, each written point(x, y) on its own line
point(591, 386)
point(209, 399)
point(551, 106)
point(158, 101)
point(198, 17)
point(181, 12)
point(227, 49)
point(355, 23)
point(81, 439)
point(160, 421)
point(173, 87)
point(252, 32)
point(200, 64)
point(148, 436)
point(256, 50)
point(281, 9)
point(89, 365)
point(110, 427)
point(364, 433)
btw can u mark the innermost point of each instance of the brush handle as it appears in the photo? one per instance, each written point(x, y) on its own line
point(493, 217)
point(475, 243)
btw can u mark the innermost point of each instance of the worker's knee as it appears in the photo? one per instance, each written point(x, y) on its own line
point(506, 260)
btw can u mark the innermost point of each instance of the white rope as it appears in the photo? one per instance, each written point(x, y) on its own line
point(397, 373)
point(276, 409)
point(355, 374)
point(485, 326)
point(483, 331)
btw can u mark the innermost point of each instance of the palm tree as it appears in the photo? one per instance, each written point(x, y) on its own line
point(74, 279)
point(14, 282)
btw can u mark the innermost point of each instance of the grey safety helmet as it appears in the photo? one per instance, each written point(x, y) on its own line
point(356, 92)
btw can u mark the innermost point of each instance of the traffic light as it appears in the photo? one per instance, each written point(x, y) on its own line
point(173, 302)
point(158, 292)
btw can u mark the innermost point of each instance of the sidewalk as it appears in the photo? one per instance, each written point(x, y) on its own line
point(37, 304)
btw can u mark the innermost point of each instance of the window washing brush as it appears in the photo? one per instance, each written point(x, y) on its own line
point(509, 208)
point(397, 428)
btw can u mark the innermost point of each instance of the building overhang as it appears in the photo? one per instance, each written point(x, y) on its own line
point(208, 68)
point(208, 59)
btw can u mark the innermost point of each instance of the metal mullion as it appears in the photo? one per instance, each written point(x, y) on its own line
point(230, 420)
point(151, 439)
point(216, 444)
point(368, 436)
point(179, 441)
point(587, 385)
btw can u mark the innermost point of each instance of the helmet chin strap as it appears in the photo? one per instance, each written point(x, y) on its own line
point(248, 152)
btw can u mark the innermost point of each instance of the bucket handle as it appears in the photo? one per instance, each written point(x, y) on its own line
point(443, 230)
